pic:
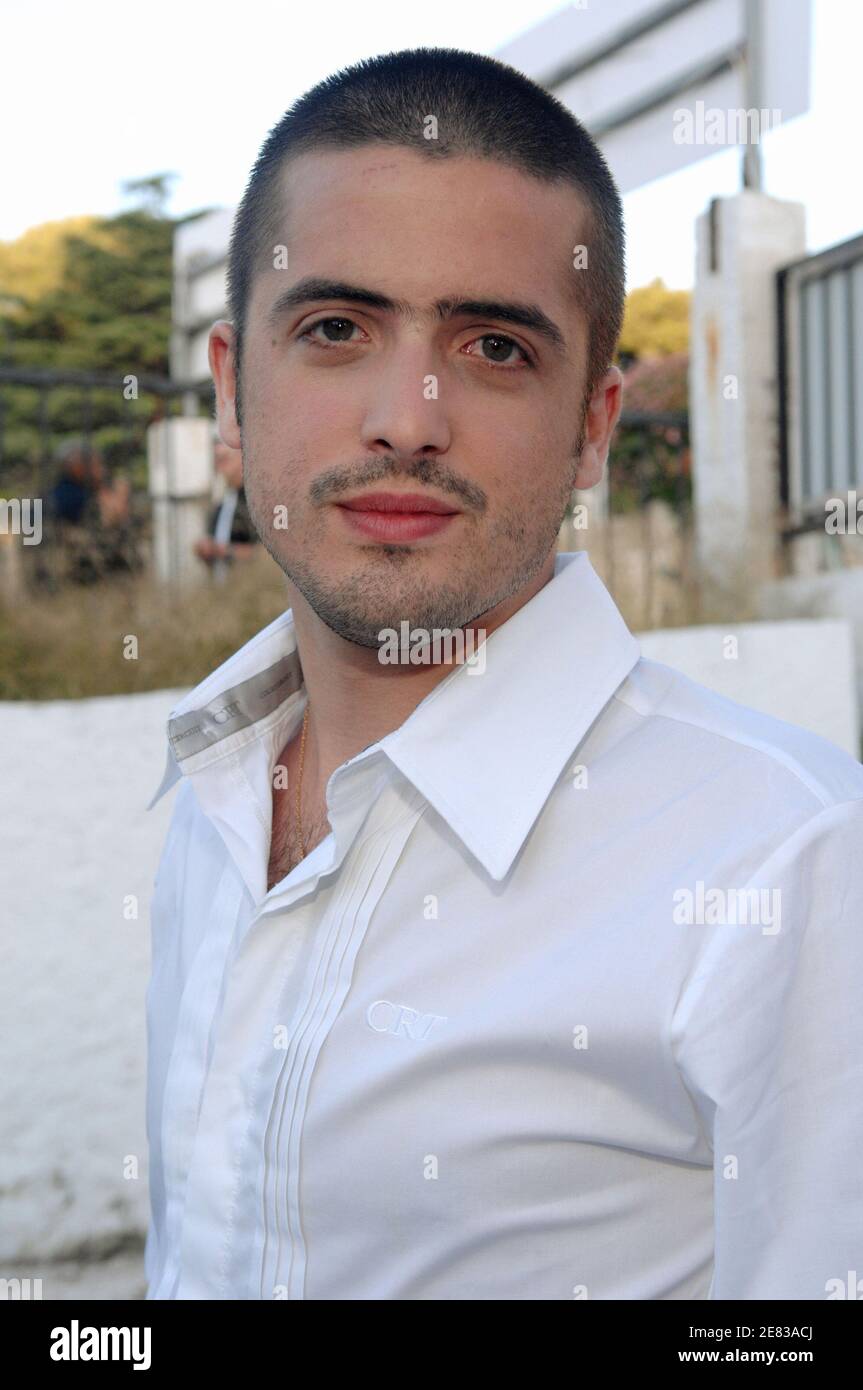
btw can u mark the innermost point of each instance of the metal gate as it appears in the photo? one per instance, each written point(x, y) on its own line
point(820, 331)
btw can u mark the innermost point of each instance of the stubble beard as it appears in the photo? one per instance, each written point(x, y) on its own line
point(390, 587)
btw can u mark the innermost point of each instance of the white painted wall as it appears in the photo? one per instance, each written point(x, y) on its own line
point(800, 671)
point(76, 841)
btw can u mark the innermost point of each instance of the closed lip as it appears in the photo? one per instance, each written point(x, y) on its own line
point(397, 502)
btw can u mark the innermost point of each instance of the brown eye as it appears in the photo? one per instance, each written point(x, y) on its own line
point(501, 348)
point(342, 327)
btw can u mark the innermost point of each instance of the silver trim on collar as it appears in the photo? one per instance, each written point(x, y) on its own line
point(236, 708)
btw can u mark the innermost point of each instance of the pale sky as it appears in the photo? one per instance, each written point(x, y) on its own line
point(95, 92)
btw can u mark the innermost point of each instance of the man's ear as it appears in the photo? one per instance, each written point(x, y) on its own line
point(602, 414)
point(220, 352)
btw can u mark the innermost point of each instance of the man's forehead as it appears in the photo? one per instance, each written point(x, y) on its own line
point(468, 261)
point(432, 253)
point(362, 175)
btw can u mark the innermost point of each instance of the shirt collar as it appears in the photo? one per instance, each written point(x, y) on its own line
point(487, 744)
point(486, 748)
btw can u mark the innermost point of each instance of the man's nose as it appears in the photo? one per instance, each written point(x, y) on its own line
point(406, 414)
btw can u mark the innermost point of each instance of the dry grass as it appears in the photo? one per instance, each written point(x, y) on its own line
point(71, 644)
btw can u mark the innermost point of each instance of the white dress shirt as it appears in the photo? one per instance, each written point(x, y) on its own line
point(568, 1004)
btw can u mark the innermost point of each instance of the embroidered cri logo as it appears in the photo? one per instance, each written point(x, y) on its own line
point(385, 1017)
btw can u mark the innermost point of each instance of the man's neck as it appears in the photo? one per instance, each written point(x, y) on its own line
point(354, 699)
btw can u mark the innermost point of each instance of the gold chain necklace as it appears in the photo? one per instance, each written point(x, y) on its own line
point(300, 838)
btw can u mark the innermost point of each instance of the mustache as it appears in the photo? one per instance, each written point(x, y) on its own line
point(428, 472)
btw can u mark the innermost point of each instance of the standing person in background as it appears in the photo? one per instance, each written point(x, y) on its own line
point(230, 533)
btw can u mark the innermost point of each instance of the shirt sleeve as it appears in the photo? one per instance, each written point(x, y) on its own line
point(768, 1035)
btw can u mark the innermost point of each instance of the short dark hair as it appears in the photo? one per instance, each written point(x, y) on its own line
point(484, 108)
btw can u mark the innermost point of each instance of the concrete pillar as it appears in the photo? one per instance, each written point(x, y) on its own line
point(180, 466)
point(733, 395)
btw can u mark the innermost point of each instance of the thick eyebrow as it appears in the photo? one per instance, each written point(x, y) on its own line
point(313, 289)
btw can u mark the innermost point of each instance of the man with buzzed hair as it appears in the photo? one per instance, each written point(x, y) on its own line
point(437, 1010)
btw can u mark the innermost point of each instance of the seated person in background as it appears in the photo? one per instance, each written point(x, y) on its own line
point(80, 476)
point(91, 511)
point(230, 530)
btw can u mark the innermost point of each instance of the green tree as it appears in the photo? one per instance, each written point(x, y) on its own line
point(656, 321)
point(90, 294)
point(151, 193)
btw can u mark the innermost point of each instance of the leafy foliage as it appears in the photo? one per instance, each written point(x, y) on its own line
point(88, 294)
point(655, 321)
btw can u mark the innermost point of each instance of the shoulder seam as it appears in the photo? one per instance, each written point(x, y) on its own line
point(776, 755)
